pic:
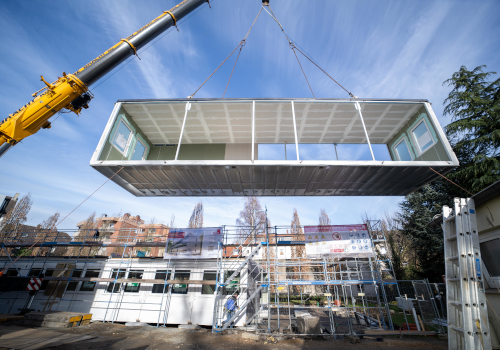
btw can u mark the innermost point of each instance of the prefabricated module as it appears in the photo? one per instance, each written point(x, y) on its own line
point(210, 147)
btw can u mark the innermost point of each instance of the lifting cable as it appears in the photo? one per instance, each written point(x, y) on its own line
point(135, 52)
point(444, 177)
point(240, 46)
point(57, 224)
point(294, 46)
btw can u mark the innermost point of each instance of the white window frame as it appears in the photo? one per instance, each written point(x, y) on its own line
point(130, 137)
point(145, 148)
point(96, 283)
point(414, 139)
point(403, 139)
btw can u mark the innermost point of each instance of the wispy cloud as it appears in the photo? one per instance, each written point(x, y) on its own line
point(394, 49)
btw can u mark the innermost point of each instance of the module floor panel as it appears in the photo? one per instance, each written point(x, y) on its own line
point(271, 180)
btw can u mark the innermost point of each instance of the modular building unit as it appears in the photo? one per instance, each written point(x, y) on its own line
point(272, 147)
point(122, 302)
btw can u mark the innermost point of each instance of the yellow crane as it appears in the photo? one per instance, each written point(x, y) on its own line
point(71, 91)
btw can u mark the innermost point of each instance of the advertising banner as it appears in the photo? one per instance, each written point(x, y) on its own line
point(193, 243)
point(338, 240)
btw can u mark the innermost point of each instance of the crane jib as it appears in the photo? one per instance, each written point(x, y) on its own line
point(71, 91)
point(103, 64)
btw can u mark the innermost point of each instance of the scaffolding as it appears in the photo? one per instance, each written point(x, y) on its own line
point(281, 290)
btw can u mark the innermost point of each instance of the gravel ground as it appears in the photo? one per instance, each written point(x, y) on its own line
point(118, 336)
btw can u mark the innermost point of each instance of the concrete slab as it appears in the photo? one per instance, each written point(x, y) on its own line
point(189, 326)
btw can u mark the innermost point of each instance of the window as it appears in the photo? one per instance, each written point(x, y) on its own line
point(233, 285)
point(208, 276)
point(88, 286)
point(161, 275)
point(181, 288)
point(489, 255)
point(35, 272)
point(422, 137)
point(134, 287)
point(45, 282)
point(402, 151)
point(115, 287)
point(139, 151)
point(122, 137)
point(152, 230)
point(72, 285)
point(12, 273)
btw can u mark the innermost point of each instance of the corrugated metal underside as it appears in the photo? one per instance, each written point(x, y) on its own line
point(258, 180)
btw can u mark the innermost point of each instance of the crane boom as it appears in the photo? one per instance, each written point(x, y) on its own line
point(71, 91)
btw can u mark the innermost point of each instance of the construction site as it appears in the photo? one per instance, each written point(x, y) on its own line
point(424, 277)
point(282, 289)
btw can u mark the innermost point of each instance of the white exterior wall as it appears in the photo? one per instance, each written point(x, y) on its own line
point(143, 306)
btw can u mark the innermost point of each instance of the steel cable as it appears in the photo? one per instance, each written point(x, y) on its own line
point(240, 45)
point(294, 46)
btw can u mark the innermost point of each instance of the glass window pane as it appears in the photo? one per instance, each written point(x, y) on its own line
point(88, 286)
point(208, 276)
point(72, 285)
point(121, 137)
point(45, 282)
point(423, 136)
point(489, 253)
point(11, 273)
point(134, 287)
point(233, 285)
point(181, 288)
point(403, 151)
point(139, 150)
point(115, 287)
point(35, 272)
point(161, 275)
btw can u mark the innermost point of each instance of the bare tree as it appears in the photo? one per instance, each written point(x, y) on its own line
point(47, 231)
point(85, 233)
point(172, 221)
point(252, 220)
point(298, 251)
point(324, 220)
point(196, 219)
point(11, 225)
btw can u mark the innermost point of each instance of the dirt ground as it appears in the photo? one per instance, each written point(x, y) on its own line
point(118, 336)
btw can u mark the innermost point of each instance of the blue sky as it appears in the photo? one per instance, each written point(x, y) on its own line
point(389, 49)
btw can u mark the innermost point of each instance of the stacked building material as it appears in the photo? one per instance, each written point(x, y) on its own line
point(53, 319)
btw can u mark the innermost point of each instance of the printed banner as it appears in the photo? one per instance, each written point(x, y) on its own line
point(193, 243)
point(338, 240)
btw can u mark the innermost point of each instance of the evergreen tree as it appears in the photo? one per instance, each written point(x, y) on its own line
point(474, 133)
point(417, 210)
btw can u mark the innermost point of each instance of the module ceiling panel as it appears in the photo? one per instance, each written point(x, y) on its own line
point(230, 121)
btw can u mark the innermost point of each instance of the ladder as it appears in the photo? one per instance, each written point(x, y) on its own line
point(465, 298)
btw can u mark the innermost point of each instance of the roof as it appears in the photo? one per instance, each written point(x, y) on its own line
point(481, 197)
point(487, 194)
